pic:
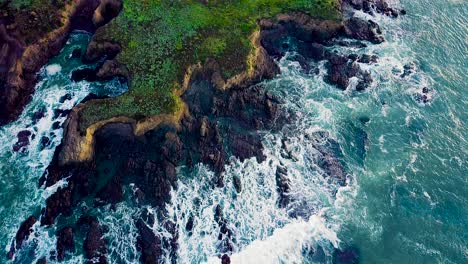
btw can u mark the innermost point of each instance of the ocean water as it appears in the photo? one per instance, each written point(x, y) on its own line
point(406, 198)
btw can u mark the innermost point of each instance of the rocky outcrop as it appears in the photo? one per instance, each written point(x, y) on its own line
point(94, 245)
point(225, 235)
point(23, 233)
point(148, 244)
point(360, 29)
point(371, 6)
point(21, 57)
point(65, 242)
point(219, 119)
point(283, 185)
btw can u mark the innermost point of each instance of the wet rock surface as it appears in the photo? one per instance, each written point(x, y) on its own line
point(65, 242)
point(371, 6)
point(23, 140)
point(283, 185)
point(94, 245)
point(23, 233)
point(148, 244)
point(225, 235)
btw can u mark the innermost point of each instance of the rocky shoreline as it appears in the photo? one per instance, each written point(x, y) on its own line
point(21, 58)
point(217, 122)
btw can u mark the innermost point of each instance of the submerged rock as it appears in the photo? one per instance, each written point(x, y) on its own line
point(329, 158)
point(346, 256)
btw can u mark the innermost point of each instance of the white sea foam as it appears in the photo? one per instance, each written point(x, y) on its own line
point(53, 69)
point(285, 245)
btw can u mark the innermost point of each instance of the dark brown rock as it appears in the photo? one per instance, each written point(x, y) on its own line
point(23, 233)
point(58, 203)
point(360, 29)
point(148, 244)
point(283, 185)
point(23, 140)
point(65, 242)
point(94, 245)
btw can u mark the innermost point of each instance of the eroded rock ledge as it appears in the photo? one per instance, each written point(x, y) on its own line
point(219, 119)
point(21, 57)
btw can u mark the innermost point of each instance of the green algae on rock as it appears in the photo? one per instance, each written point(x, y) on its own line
point(160, 40)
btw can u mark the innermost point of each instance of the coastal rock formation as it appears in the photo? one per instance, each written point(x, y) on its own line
point(94, 245)
point(24, 50)
point(65, 242)
point(23, 234)
point(148, 244)
point(219, 118)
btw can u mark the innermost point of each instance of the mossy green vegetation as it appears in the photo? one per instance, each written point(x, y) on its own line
point(160, 39)
point(33, 19)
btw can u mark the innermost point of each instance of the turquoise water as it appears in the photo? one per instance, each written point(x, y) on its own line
point(412, 202)
point(406, 199)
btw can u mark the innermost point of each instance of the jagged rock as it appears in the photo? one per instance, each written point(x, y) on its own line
point(380, 6)
point(360, 29)
point(111, 69)
point(60, 113)
point(190, 224)
point(64, 98)
point(45, 142)
point(148, 244)
point(98, 50)
point(38, 115)
point(365, 58)
point(112, 192)
point(94, 245)
point(23, 233)
point(21, 57)
point(225, 234)
point(42, 260)
point(283, 185)
point(237, 183)
point(56, 125)
point(225, 259)
point(245, 146)
point(23, 140)
point(58, 203)
point(65, 242)
point(107, 10)
point(341, 69)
